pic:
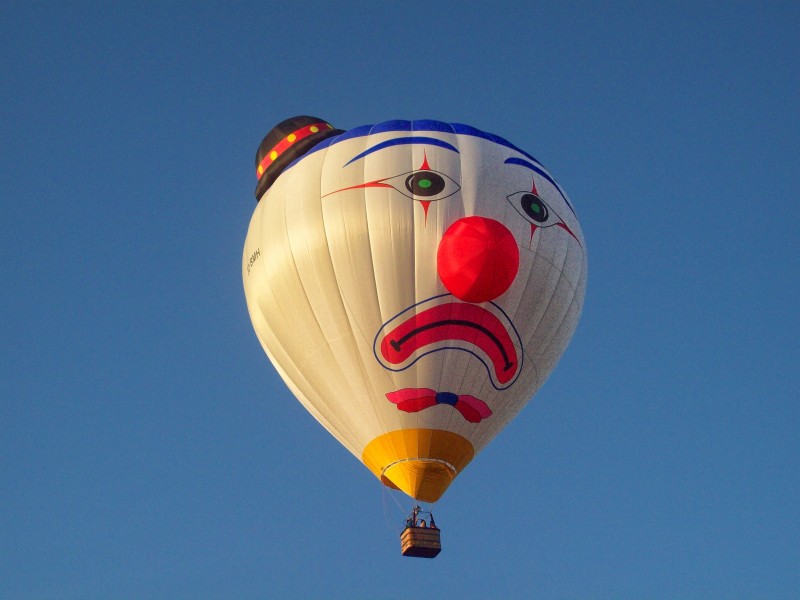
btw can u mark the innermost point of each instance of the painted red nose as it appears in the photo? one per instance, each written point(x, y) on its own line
point(478, 259)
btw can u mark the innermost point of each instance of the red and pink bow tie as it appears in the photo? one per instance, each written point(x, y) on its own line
point(417, 399)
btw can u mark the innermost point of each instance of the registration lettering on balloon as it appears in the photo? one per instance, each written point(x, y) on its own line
point(417, 282)
point(253, 258)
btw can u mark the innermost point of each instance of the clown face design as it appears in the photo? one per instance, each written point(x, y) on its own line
point(414, 283)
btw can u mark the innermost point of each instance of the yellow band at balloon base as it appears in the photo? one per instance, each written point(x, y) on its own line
point(420, 462)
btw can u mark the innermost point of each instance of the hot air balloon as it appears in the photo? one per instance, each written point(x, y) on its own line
point(414, 283)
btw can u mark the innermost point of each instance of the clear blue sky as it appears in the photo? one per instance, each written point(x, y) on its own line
point(148, 448)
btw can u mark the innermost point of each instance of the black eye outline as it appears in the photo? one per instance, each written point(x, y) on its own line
point(425, 183)
point(441, 186)
point(533, 209)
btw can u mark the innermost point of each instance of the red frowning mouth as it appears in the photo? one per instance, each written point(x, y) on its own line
point(452, 325)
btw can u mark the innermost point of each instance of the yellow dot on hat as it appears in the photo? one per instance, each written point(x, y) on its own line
point(314, 129)
point(260, 170)
point(291, 137)
point(273, 155)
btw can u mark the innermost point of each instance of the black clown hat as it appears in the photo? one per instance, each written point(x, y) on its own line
point(287, 141)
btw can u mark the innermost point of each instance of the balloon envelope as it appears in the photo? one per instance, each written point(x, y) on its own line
point(414, 283)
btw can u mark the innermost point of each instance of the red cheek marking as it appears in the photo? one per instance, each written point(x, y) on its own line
point(369, 184)
point(425, 166)
point(569, 231)
point(426, 204)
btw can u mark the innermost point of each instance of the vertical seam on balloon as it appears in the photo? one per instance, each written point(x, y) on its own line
point(313, 410)
point(342, 430)
point(376, 395)
point(420, 441)
point(550, 301)
point(454, 419)
point(331, 417)
point(409, 168)
point(526, 356)
point(575, 298)
point(354, 329)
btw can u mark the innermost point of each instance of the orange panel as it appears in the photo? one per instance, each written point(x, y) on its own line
point(421, 462)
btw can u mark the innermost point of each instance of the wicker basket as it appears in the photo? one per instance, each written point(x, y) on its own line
point(423, 542)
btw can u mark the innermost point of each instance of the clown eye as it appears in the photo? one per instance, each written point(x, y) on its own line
point(537, 212)
point(423, 185)
point(534, 207)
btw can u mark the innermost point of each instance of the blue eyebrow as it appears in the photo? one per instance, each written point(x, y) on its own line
point(403, 140)
point(524, 163)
